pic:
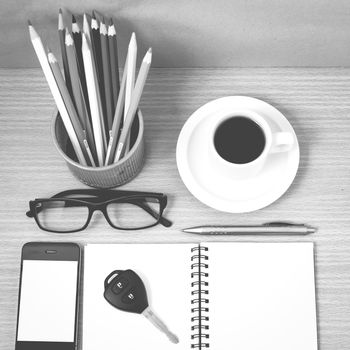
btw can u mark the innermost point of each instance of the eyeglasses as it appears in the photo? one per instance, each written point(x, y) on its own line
point(71, 211)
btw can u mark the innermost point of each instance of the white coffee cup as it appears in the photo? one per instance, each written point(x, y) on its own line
point(275, 142)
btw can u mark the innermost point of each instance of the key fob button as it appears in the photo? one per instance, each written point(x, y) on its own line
point(129, 297)
point(119, 285)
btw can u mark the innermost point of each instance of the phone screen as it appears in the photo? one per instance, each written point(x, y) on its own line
point(47, 307)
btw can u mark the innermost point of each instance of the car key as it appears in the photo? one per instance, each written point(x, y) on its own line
point(125, 291)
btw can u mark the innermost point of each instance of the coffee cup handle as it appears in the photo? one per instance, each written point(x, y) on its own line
point(282, 142)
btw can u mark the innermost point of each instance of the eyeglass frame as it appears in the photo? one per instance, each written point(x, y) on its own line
point(104, 198)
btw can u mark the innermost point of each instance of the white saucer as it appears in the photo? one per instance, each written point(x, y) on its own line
point(218, 190)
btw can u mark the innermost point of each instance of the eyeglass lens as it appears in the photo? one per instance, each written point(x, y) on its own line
point(134, 213)
point(61, 215)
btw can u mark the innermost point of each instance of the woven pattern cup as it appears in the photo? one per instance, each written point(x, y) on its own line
point(109, 176)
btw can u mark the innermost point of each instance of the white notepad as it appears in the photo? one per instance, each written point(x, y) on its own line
point(253, 296)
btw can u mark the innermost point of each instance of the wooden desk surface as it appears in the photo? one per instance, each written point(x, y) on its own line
point(316, 102)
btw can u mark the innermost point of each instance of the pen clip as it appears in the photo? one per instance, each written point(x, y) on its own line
point(281, 223)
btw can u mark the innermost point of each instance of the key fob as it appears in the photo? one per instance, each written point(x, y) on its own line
point(126, 291)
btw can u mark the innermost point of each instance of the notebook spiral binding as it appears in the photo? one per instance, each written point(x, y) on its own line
point(200, 298)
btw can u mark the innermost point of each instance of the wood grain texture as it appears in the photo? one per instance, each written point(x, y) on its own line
point(316, 102)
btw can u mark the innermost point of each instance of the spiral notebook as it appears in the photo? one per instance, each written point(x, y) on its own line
point(246, 296)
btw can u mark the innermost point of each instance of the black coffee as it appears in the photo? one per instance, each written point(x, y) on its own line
point(239, 140)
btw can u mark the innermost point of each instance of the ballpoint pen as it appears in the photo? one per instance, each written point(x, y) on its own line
point(271, 228)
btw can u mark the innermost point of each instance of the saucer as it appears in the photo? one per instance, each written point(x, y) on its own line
point(218, 190)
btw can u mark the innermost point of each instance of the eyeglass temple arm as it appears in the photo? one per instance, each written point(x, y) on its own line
point(104, 194)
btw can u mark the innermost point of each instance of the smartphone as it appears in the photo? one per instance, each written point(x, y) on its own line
point(48, 301)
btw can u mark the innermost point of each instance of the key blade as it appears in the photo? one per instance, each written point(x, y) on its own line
point(157, 322)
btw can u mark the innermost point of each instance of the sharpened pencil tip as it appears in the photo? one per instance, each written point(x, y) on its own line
point(111, 30)
point(103, 29)
point(60, 20)
point(68, 40)
point(94, 24)
point(111, 22)
point(51, 57)
point(148, 57)
point(132, 39)
point(84, 45)
point(93, 14)
point(60, 11)
point(32, 32)
point(86, 24)
point(73, 19)
point(75, 27)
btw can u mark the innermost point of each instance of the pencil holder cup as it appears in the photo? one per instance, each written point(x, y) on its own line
point(109, 176)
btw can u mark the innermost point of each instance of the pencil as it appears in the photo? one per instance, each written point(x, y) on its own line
point(94, 97)
point(96, 49)
point(76, 32)
point(87, 28)
point(88, 150)
point(113, 58)
point(62, 34)
point(77, 90)
point(98, 15)
point(55, 68)
point(41, 54)
point(118, 115)
point(75, 79)
point(135, 99)
point(106, 75)
point(130, 79)
point(87, 32)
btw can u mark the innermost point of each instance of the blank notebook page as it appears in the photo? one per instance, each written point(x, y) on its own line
point(165, 271)
point(262, 296)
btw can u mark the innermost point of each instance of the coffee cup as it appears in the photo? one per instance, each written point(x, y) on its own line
point(242, 140)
